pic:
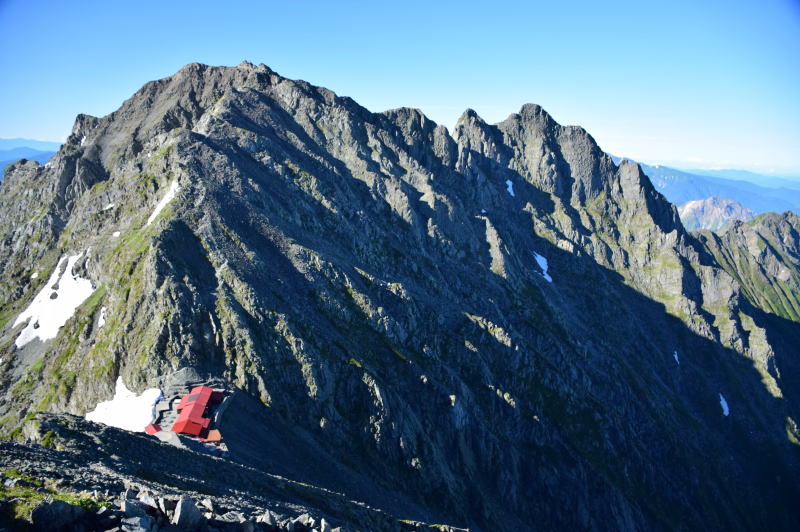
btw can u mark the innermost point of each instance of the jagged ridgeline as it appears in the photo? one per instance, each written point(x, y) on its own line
point(495, 327)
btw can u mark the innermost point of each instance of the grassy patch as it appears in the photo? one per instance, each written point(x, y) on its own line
point(37, 366)
point(49, 440)
point(26, 495)
point(161, 153)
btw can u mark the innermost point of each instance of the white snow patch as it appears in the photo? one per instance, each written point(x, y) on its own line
point(115, 234)
point(126, 410)
point(35, 275)
point(675, 356)
point(102, 319)
point(83, 140)
point(173, 189)
point(542, 262)
point(510, 187)
point(109, 206)
point(52, 307)
point(724, 404)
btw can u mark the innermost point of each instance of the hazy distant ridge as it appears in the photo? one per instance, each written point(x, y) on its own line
point(680, 187)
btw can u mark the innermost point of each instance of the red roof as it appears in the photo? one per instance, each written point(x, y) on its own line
point(152, 429)
point(187, 427)
point(192, 418)
point(199, 394)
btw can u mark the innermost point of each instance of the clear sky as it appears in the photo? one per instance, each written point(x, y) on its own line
point(699, 83)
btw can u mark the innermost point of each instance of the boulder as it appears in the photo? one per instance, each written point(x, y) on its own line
point(208, 504)
point(232, 517)
point(138, 524)
point(269, 518)
point(56, 515)
point(187, 516)
point(106, 518)
point(302, 522)
point(148, 500)
point(134, 509)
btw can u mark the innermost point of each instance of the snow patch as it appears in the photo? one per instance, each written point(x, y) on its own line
point(675, 356)
point(510, 187)
point(173, 189)
point(35, 275)
point(724, 404)
point(102, 319)
point(83, 140)
point(109, 206)
point(126, 410)
point(542, 262)
point(54, 304)
point(115, 234)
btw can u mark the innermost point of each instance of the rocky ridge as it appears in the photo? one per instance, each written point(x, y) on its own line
point(132, 482)
point(377, 287)
point(763, 256)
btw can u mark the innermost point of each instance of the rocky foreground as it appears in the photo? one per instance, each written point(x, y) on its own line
point(89, 477)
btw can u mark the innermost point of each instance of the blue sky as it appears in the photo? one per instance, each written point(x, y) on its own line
point(688, 83)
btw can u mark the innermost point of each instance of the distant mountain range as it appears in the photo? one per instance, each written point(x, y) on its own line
point(682, 186)
point(752, 177)
point(39, 145)
point(12, 150)
point(713, 213)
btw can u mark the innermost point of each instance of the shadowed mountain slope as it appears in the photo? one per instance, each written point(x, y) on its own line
point(497, 328)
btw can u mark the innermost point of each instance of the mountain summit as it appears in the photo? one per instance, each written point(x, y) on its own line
point(496, 327)
point(714, 214)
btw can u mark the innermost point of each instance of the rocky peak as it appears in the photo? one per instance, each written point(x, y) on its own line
point(714, 214)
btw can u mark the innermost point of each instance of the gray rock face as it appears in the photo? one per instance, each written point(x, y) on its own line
point(443, 326)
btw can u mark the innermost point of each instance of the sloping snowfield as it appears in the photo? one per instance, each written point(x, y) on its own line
point(173, 190)
point(127, 410)
point(54, 304)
